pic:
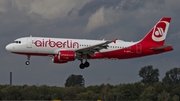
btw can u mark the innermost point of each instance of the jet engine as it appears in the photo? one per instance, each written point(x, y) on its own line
point(64, 57)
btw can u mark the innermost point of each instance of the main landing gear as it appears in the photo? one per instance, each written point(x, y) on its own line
point(27, 62)
point(83, 65)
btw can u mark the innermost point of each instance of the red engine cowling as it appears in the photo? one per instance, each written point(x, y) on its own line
point(64, 57)
point(56, 60)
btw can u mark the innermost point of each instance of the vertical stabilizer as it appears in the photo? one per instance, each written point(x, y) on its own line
point(157, 34)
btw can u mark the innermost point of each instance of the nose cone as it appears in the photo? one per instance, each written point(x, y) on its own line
point(9, 48)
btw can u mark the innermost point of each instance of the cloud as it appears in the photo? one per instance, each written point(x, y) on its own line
point(135, 12)
point(5, 5)
point(51, 9)
point(103, 16)
point(176, 35)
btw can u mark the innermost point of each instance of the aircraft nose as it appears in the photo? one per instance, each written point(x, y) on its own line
point(9, 47)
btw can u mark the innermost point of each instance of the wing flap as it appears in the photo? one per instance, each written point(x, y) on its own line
point(95, 48)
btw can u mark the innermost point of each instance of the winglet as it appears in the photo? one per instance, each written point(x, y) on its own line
point(114, 40)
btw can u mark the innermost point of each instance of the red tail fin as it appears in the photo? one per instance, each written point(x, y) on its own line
point(157, 34)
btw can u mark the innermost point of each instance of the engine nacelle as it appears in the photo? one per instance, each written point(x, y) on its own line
point(67, 55)
point(56, 60)
point(64, 56)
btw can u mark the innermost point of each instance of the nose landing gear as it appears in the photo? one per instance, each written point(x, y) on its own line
point(27, 62)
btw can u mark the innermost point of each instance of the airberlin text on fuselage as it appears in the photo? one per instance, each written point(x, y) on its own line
point(58, 44)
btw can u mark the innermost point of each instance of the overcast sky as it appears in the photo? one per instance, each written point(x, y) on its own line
point(127, 20)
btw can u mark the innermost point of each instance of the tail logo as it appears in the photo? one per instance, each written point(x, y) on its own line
point(160, 31)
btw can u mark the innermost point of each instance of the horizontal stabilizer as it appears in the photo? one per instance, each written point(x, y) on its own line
point(161, 47)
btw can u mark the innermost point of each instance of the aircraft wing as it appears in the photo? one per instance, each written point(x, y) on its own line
point(95, 48)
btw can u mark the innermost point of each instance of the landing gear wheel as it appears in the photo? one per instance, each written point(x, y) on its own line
point(86, 64)
point(27, 62)
point(28, 58)
point(81, 66)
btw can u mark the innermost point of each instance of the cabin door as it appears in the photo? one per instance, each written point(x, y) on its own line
point(29, 43)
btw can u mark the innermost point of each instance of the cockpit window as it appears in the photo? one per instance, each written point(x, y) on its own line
point(19, 42)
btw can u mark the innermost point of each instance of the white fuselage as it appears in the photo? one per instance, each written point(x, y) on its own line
point(42, 45)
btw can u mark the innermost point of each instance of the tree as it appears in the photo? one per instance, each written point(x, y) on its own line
point(88, 95)
point(128, 92)
point(172, 77)
point(164, 96)
point(74, 80)
point(106, 92)
point(149, 75)
point(175, 98)
point(149, 94)
point(69, 93)
point(175, 91)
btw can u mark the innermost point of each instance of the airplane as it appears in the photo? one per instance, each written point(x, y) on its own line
point(63, 50)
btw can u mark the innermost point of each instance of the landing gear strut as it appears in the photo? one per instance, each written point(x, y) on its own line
point(27, 62)
point(83, 65)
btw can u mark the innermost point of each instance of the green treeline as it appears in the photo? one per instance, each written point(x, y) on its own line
point(106, 92)
point(150, 88)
